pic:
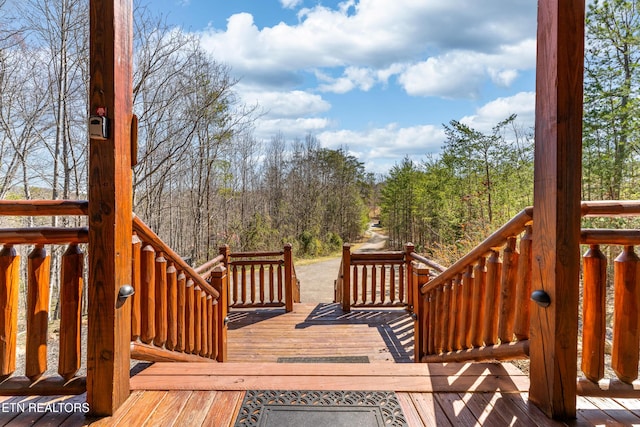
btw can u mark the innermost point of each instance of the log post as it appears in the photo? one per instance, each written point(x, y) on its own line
point(136, 299)
point(9, 291)
point(70, 315)
point(219, 279)
point(556, 205)
point(346, 278)
point(508, 285)
point(491, 299)
point(172, 307)
point(161, 300)
point(523, 288)
point(110, 204)
point(147, 294)
point(288, 277)
point(181, 311)
point(412, 292)
point(419, 277)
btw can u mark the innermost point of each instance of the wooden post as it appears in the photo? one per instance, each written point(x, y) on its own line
point(9, 291)
point(594, 313)
point(523, 288)
point(419, 277)
point(409, 248)
point(37, 313)
point(110, 205)
point(219, 279)
point(136, 307)
point(556, 207)
point(346, 278)
point(288, 277)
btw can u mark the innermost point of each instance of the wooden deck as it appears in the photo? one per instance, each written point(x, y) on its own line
point(172, 394)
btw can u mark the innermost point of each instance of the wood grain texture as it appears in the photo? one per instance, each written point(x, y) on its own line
point(147, 294)
point(38, 270)
point(594, 265)
point(110, 205)
point(557, 208)
point(9, 291)
point(71, 285)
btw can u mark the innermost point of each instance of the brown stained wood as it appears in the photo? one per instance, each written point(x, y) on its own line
point(234, 295)
point(453, 406)
point(431, 324)
point(594, 264)
point(212, 328)
point(429, 409)
point(147, 294)
point(557, 208)
point(181, 312)
point(354, 284)
point(612, 388)
point(272, 287)
point(144, 406)
point(49, 386)
point(43, 235)
point(383, 285)
point(610, 237)
point(420, 276)
point(453, 316)
point(492, 299)
point(411, 415)
point(220, 281)
point(402, 285)
point(458, 331)
point(71, 284)
point(280, 283)
point(478, 302)
point(507, 307)
point(261, 284)
point(197, 320)
point(136, 283)
point(190, 312)
point(168, 409)
point(195, 409)
point(151, 353)
point(446, 315)
point(37, 312)
point(252, 281)
point(110, 205)
point(243, 285)
point(204, 329)
point(511, 351)
point(363, 283)
point(523, 288)
point(374, 285)
point(9, 291)
point(224, 409)
point(626, 331)
point(172, 307)
point(467, 307)
point(346, 278)
point(392, 284)
point(288, 277)
point(161, 300)
point(43, 207)
point(497, 239)
point(439, 320)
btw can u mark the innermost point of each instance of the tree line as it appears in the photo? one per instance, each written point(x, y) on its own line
point(448, 204)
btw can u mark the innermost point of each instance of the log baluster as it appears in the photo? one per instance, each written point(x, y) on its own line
point(210, 328)
point(9, 291)
point(181, 311)
point(161, 300)
point(136, 307)
point(346, 278)
point(523, 289)
point(431, 326)
point(281, 284)
point(374, 282)
point(383, 285)
point(363, 284)
point(190, 320)
point(204, 330)
point(70, 311)
point(262, 284)
point(197, 320)
point(272, 288)
point(37, 312)
point(243, 283)
point(219, 282)
point(402, 284)
point(147, 294)
point(594, 266)
point(453, 314)
point(626, 334)
point(419, 277)
point(392, 284)
point(214, 329)
point(354, 281)
point(439, 320)
point(458, 335)
point(445, 318)
point(235, 285)
point(467, 307)
point(491, 298)
point(478, 311)
point(507, 310)
point(172, 307)
point(252, 281)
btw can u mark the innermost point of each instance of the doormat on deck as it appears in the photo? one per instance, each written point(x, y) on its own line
point(329, 359)
point(274, 408)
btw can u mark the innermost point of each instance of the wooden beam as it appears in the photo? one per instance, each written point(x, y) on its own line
point(110, 205)
point(556, 229)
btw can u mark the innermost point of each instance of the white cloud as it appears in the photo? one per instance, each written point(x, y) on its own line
point(290, 4)
point(285, 104)
point(370, 35)
point(266, 128)
point(490, 114)
point(380, 148)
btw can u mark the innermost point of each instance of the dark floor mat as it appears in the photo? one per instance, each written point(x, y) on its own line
point(271, 408)
point(328, 359)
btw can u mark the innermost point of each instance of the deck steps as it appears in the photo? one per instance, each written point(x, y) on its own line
point(425, 378)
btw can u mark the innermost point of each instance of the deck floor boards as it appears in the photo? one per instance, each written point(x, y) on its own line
point(196, 394)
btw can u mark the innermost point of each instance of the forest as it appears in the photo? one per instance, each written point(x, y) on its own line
point(203, 180)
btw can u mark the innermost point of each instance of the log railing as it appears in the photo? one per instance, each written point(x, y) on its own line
point(478, 309)
point(376, 279)
point(33, 379)
point(175, 312)
point(258, 279)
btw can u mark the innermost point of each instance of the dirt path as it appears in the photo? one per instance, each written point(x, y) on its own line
point(317, 279)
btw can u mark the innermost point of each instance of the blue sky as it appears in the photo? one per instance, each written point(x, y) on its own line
point(377, 77)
